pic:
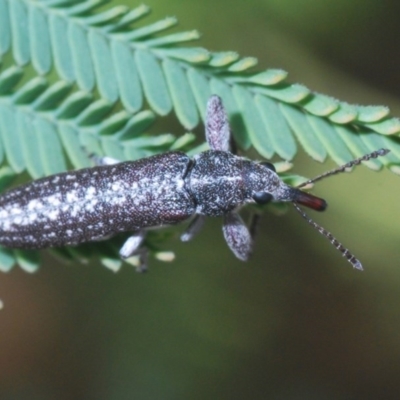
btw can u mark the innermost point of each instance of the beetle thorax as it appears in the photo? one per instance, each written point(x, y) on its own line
point(216, 182)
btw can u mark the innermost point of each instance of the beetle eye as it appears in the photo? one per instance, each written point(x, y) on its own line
point(268, 165)
point(262, 197)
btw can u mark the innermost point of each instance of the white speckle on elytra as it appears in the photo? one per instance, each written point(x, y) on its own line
point(54, 200)
point(72, 197)
point(56, 179)
point(53, 214)
point(3, 213)
point(70, 177)
point(35, 204)
point(90, 191)
point(69, 232)
point(74, 211)
point(32, 217)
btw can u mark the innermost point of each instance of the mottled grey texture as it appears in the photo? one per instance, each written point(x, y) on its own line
point(222, 182)
point(217, 125)
point(93, 203)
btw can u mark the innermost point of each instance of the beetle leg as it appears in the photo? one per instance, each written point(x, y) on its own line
point(143, 254)
point(254, 224)
point(195, 225)
point(132, 244)
point(237, 236)
point(132, 247)
point(217, 125)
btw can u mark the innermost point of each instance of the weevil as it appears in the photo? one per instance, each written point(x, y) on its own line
point(96, 203)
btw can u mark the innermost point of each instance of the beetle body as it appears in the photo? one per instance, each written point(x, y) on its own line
point(96, 203)
point(93, 203)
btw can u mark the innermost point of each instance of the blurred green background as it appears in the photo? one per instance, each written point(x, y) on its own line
point(297, 322)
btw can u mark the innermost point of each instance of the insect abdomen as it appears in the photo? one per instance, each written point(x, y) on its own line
point(93, 203)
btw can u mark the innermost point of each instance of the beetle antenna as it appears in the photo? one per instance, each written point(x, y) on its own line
point(357, 161)
point(345, 252)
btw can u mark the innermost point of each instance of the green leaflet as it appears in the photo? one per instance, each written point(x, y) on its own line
point(192, 55)
point(284, 92)
point(345, 114)
point(51, 96)
point(127, 76)
point(103, 66)
point(268, 77)
point(388, 126)
point(243, 64)
point(277, 127)
point(304, 132)
point(40, 40)
point(75, 151)
point(183, 141)
point(81, 8)
point(371, 114)
point(9, 78)
point(30, 145)
point(200, 88)
point(148, 30)
point(181, 95)
point(334, 145)
point(7, 259)
point(62, 55)
point(173, 39)
point(223, 58)
point(260, 138)
point(113, 124)
point(5, 29)
point(19, 28)
point(106, 18)
point(153, 82)
point(94, 113)
point(132, 16)
point(320, 105)
point(73, 105)
point(113, 148)
point(136, 125)
point(28, 260)
point(81, 57)
point(50, 149)
point(30, 91)
point(11, 139)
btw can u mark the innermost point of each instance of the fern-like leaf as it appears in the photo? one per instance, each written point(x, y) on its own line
point(105, 50)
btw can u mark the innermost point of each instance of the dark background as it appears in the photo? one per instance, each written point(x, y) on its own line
point(297, 322)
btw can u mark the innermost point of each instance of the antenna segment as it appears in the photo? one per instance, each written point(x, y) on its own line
point(345, 252)
point(357, 161)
